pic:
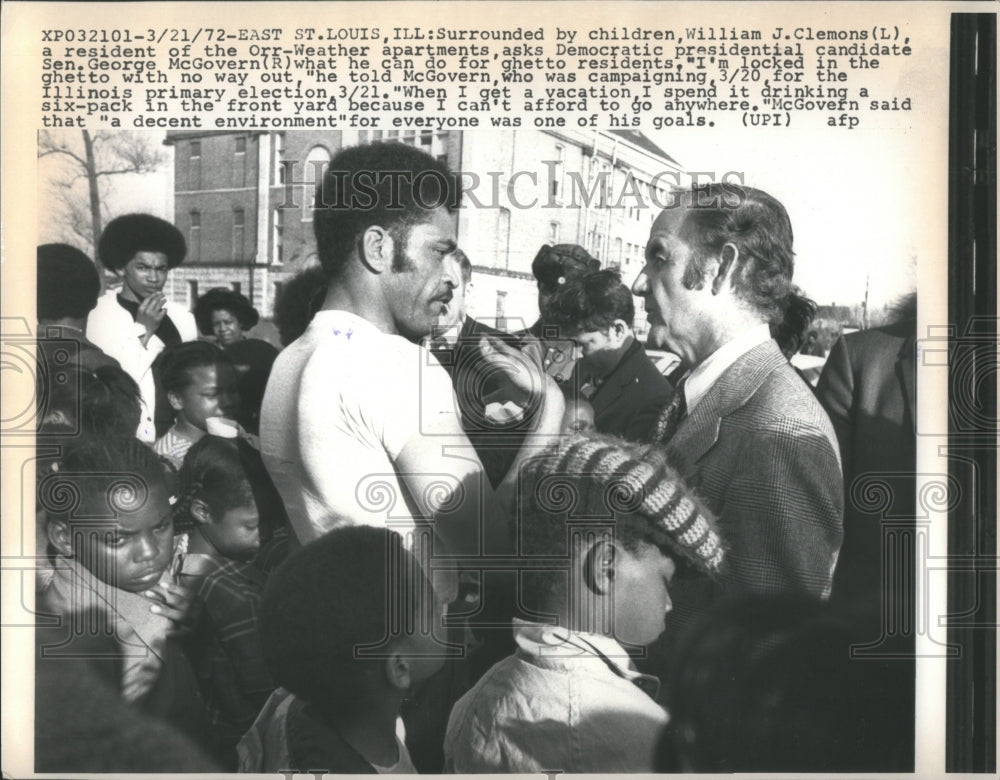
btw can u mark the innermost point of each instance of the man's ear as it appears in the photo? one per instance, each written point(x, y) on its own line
point(727, 262)
point(620, 329)
point(200, 512)
point(60, 537)
point(376, 247)
point(398, 671)
point(599, 567)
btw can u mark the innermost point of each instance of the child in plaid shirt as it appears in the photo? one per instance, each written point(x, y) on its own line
point(218, 568)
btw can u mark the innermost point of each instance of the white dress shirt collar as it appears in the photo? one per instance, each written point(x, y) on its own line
point(707, 373)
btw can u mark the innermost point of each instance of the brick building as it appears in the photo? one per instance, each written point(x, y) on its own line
point(243, 201)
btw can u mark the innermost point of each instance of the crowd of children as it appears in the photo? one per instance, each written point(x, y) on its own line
point(191, 614)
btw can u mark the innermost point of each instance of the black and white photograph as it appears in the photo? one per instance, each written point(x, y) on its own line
point(445, 389)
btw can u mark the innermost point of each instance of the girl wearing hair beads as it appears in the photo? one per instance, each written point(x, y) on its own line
point(219, 509)
point(109, 523)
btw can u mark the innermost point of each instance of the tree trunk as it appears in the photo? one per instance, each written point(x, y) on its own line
point(95, 202)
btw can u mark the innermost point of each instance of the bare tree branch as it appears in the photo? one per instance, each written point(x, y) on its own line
point(93, 158)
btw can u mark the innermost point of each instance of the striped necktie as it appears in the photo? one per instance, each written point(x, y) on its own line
point(671, 416)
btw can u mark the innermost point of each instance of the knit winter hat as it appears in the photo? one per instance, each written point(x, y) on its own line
point(128, 234)
point(593, 476)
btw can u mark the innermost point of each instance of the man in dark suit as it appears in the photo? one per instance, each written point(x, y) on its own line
point(627, 392)
point(456, 345)
point(868, 387)
point(742, 428)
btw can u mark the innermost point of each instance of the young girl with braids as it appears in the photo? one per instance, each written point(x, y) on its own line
point(108, 505)
point(219, 511)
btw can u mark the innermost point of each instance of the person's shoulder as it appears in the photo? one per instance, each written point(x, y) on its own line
point(252, 351)
point(92, 357)
point(785, 408)
point(642, 367)
point(499, 683)
point(507, 707)
point(107, 307)
point(879, 343)
point(231, 586)
point(313, 743)
point(785, 389)
point(108, 298)
point(179, 312)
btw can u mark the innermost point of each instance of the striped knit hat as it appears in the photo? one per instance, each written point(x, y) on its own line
point(594, 476)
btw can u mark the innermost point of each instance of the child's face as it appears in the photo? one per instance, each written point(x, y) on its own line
point(236, 534)
point(135, 551)
point(641, 595)
point(210, 393)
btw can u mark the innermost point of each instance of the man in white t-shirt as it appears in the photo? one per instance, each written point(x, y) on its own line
point(359, 423)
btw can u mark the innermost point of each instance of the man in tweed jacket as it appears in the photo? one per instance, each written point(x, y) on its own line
point(743, 429)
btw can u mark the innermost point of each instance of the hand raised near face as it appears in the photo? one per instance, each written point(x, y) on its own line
point(521, 378)
point(151, 312)
point(174, 603)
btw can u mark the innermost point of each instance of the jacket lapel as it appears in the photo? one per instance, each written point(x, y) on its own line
point(699, 431)
point(623, 376)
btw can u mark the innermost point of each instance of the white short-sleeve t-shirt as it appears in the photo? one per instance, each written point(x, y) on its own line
point(341, 404)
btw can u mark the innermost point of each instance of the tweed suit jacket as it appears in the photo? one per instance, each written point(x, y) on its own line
point(763, 455)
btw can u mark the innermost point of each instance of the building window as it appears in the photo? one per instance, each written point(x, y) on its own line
point(237, 287)
point(194, 166)
point(553, 232)
point(501, 309)
point(194, 236)
point(279, 155)
point(238, 233)
point(277, 240)
point(604, 192)
point(315, 166)
point(240, 162)
point(558, 171)
point(503, 237)
point(192, 293)
point(441, 143)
